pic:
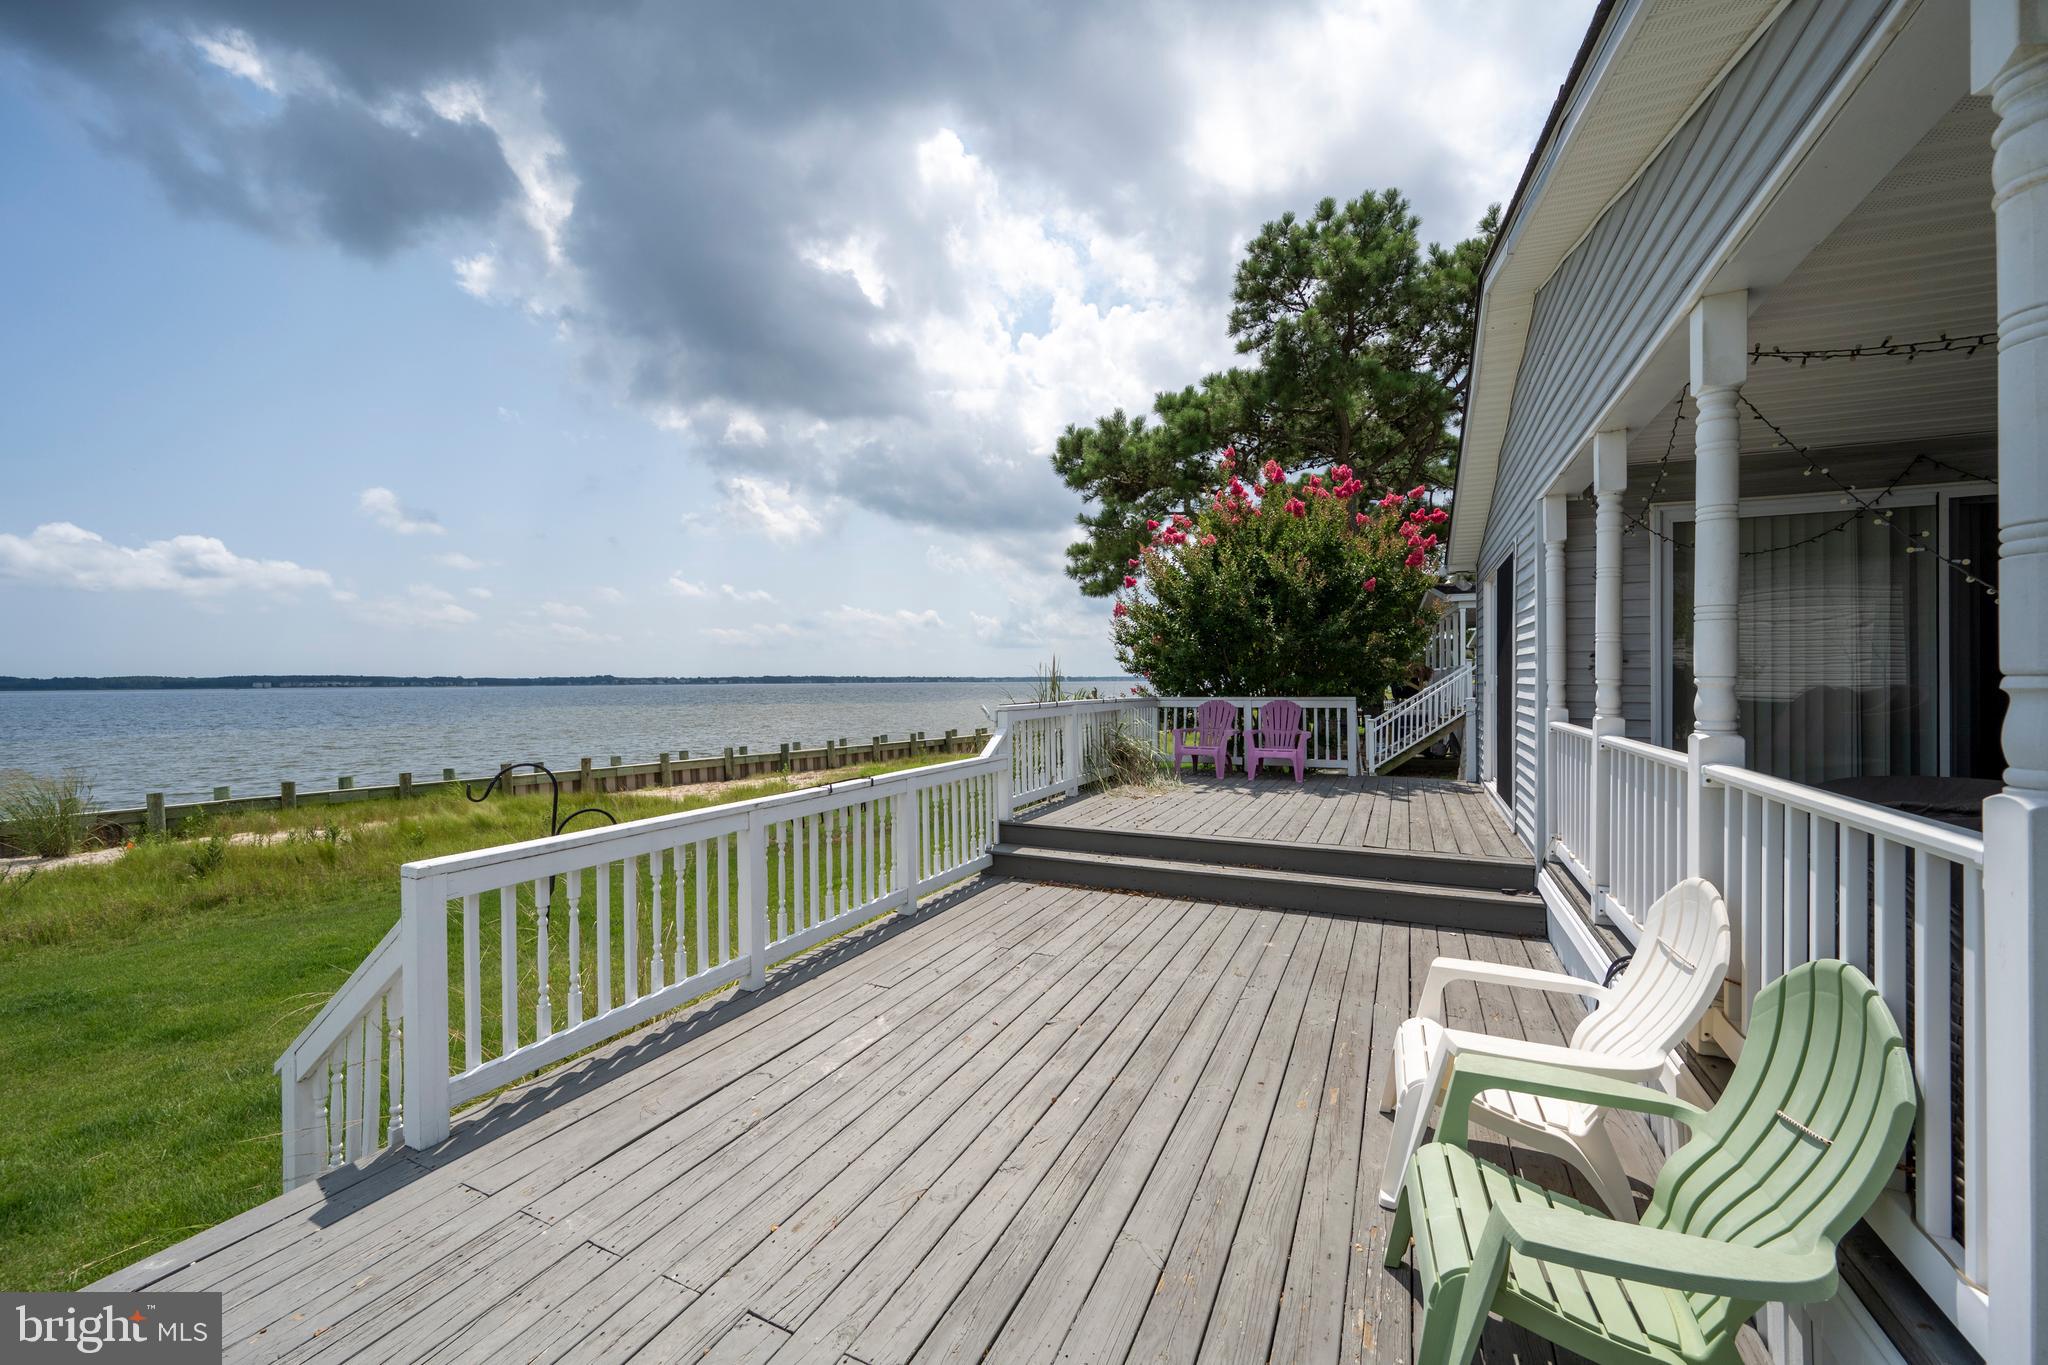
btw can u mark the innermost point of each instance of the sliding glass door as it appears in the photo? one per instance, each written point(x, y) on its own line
point(1838, 644)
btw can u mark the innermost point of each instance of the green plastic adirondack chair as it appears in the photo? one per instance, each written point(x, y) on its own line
point(1811, 1125)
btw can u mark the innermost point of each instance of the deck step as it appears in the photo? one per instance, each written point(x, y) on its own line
point(1399, 902)
point(1456, 870)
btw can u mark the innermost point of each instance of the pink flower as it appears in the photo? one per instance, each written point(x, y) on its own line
point(1418, 491)
point(1372, 584)
point(1130, 582)
point(1273, 472)
point(1439, 514)
point(1181, 519)
point(1342, 473)
point(1360, 519)
point(1414, 559)
point(1120, 610)
point(1322, 492)
point(1151, 525)
point(1230, 454)
point(1391, 500)
point(1255, 511)
point(1133, 563)
point(1208, 540)
point(1296, 507)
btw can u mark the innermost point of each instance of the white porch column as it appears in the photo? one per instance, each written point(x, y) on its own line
point(2009, 60)
point(1610, 481)
point(1720, 362)
point(1553, 608)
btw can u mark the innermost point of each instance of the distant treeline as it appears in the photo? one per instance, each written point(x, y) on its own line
point(153, 683)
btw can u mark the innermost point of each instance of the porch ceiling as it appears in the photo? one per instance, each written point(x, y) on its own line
point(1914, 260)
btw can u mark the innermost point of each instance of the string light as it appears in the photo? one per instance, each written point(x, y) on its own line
point(1940, 345)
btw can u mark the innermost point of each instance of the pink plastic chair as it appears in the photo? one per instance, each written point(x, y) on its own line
point(1214, 728)
point(1279, 737)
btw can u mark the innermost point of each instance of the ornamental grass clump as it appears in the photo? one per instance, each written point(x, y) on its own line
point(1280, 586)
point(44, 816)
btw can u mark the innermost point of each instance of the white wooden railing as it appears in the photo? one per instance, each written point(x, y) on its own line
point(593, 933)
point(1450, 643)
point(1412, 720)
point(1618, 818)
point(1808, 875)
point(343, 1077)
point(1332, 724)
point(1645, 800)
point(1057, 747)
point(1572, 798)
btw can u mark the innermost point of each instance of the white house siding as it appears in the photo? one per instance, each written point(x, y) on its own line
point(1610, 300)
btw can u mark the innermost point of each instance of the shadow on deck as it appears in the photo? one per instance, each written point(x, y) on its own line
point(1036, 1122)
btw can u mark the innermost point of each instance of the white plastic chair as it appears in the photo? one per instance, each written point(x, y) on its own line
point(1664, 991)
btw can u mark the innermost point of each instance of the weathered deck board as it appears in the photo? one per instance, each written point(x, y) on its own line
point(1039, 1123)
point(1422, 814)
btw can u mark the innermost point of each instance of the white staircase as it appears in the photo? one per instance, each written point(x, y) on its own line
point(1409, 726)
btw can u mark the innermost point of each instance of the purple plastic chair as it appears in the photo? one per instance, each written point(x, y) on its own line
point(1210, 737)
point(1278, 737)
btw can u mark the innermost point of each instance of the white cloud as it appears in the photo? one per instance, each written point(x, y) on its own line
point(462, 563)
point(480, 594)
point(581, 635)
point(746, 594)
point(884, 625)
point(382, 506)
point(745, 429)
point(854, 257)
point(748, 636)
point(234, 52)
point(60, 554)
point(564, 611)
point(421, 605)
point(683, 587)
point(608, 594)
point(770, 508)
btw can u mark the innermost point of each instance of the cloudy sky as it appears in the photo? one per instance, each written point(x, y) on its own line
point(487, 338)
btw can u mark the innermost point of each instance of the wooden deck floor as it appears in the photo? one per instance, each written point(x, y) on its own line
point(1038, 1123)
point(1421, 814)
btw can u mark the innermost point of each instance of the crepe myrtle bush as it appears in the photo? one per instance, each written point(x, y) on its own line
point(1279, 587)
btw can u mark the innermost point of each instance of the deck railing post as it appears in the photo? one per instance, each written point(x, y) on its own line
point(1002, 776)
point(753, 902)
point(305, 1135)
point(1070, 720)
point(423, 943)
point(910, 820)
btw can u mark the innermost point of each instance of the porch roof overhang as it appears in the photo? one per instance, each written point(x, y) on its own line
point(1643, 68)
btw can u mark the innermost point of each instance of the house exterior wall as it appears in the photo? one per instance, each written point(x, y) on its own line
point(1763, 476)
point(1609, 302)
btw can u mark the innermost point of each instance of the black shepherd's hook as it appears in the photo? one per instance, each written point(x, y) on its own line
point(557, 822)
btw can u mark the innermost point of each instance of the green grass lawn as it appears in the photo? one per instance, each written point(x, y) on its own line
point(143, 1003)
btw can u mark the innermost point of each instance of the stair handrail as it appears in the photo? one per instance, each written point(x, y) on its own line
point(1393, 731)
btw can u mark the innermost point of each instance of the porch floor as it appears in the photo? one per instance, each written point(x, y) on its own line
point(1402, 814)
point(1033, 1123)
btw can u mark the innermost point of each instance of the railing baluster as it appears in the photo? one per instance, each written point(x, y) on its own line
point(1933, 1194)
point(508, 969)
point(656, 958)
point(629, 891)
point(574, 883)
point(544, 1013)
point(1889, 951)
point(1797, 909)
point(705, 960)
point(1853, 877)
point(472, 997)
point(1823, 842)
